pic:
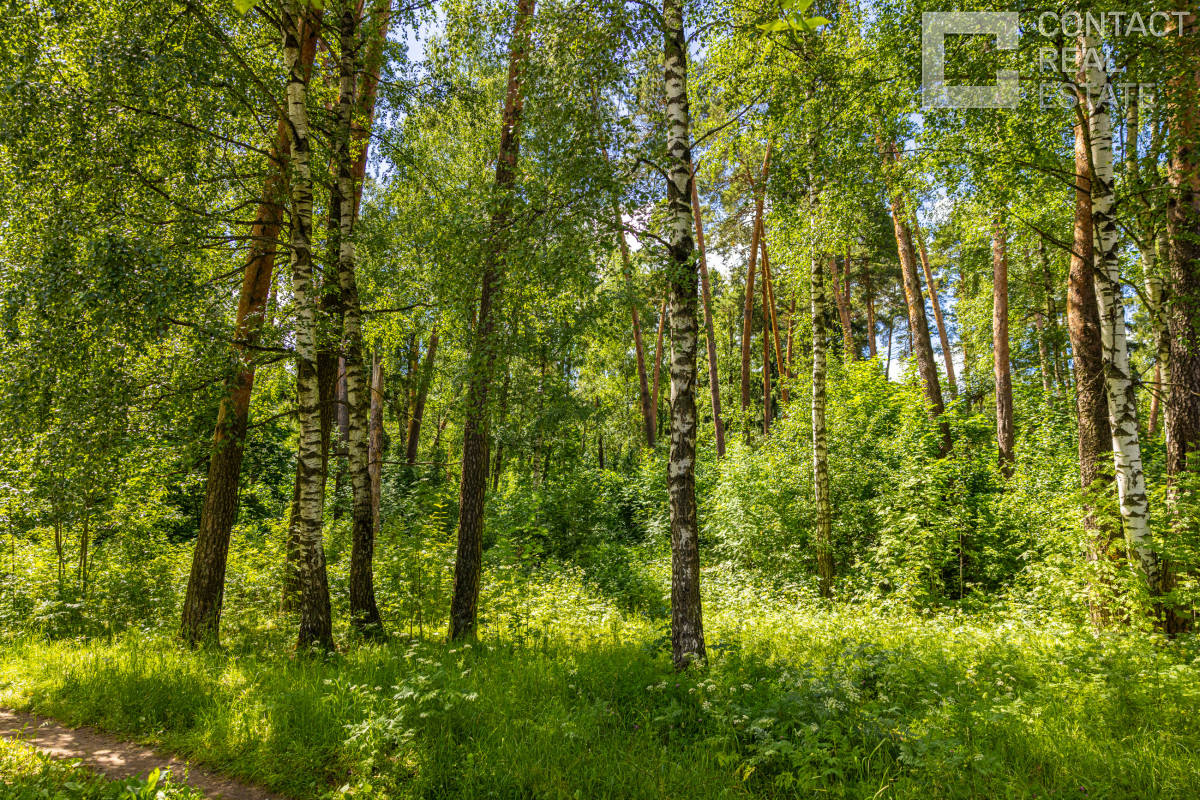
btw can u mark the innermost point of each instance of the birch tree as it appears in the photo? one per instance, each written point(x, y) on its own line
point(1118, 379)
point(687, 630)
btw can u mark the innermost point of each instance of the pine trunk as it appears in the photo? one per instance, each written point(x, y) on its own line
point(687, 631)
point(1182, 414)
point(418, 414)
point(658, 348)
point(1005, 437)
point(485, 350)
point(769, 306)
point(842, 299)
point(824, 530)
point(943, 333)
point(714, 377)
point(748, 314)
point(1083, 327)
point(644, 389)
point(918, 326)
point(869, 290)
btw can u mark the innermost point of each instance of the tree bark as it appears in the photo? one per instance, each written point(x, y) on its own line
point(687, 630)
point(1118, 379)
point(414, 422)
point(714, 377)
point(843, 305)
point(943, 333)
point(824, 530)
point(627, 270)
point(918, 326)
point(748, 314)
point(766, 338)
point(1181, 366)
point(869, 291)
point(375, 445)
point(485, 350)
point(1083, 327)
point(316, 627)
point(206, 583)
point(769, 306)
point(658, 348)
point(1005, 437)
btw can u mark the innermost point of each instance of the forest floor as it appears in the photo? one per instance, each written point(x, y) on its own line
point(565, 698)
point(93, 756)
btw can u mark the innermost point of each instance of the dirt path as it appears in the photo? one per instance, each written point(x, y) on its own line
point(110, 756)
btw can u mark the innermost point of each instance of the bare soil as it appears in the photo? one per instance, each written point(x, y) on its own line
point(115, 758)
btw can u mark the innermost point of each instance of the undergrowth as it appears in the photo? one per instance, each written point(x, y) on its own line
point(565, 695)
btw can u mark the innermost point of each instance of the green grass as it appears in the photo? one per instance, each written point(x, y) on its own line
point(26, 774)
point(563, 697)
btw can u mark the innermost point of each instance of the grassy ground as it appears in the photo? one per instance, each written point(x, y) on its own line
point(26, 774)
point(564, 697)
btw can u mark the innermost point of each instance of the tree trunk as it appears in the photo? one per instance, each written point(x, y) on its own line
point(843, 305)
point(918, 327)
point(414, 422)
point(1182, 416)
point(714, 377)
point(627, 269)
point(1005, 438)
point(748, 314)
point(943, 334)
point(769, 307)
point(206, 583)
point(1118, 379)
point(1083, 327)
point(316, 628)
point(766, 340)
point(1039, 324)
point(375, 443)
point(869, 291)
point(658, 348)
point(485, 349)
point(791, 323)
point(824, 530)
point(687, 631)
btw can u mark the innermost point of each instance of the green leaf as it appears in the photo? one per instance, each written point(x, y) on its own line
point(244, 5)
point(775, 25)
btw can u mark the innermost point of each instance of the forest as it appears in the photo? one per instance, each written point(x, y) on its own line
point(603, 398)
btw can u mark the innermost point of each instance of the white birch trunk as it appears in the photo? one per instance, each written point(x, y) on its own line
point(1119, 386)
point(315, 624)
point(683, 280)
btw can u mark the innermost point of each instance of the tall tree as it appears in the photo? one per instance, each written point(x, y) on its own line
point(1083, 327)
point(418, 414)
point(714, 376)
point(644, 389)
point(1118, 379)
point(1005, 437)
point(935, 301)
point(206, 583)
point(1183, 310)
point(687, 630)
point(748, 314)
point(918, 326)
point(485, 349)
point(316, 624)
point(824, 530)
point(842, 299)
